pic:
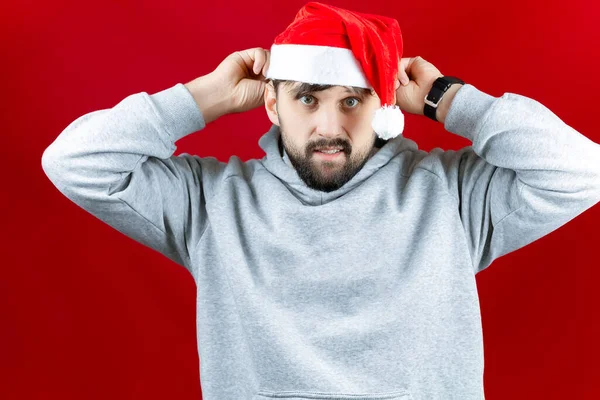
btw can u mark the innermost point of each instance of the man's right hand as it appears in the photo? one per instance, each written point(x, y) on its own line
point(236, 85)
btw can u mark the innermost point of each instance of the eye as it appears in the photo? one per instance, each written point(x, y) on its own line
point(353, 104)
point(309, 97)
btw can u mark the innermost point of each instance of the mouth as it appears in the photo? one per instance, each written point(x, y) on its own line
point(328, 156)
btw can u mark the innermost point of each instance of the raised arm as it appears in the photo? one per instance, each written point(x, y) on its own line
point(118, 164)
point(526, 174)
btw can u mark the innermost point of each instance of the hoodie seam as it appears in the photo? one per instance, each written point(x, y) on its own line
point(207, 200)
point(456, 204)
point(218, 189)
point(169, 140)
point(234, 175)
point(440, 179)
point(186, 257)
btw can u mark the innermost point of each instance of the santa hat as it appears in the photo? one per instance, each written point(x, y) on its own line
point(330, 45)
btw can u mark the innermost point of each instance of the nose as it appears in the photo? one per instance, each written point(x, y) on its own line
point(330, 122)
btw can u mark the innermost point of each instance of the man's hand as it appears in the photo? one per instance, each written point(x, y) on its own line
point(419, 76)
point(236, 85)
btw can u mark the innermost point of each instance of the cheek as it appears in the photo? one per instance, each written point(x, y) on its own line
point(367, 115)
point(297, 128)
point(357, 123)
point(293, 113)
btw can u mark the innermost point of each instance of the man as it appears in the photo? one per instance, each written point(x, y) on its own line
point(332, 276)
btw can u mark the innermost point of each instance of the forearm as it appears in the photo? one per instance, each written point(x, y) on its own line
point(546, 159)
point(117, 163)
point(209, 96)
point(98, 150)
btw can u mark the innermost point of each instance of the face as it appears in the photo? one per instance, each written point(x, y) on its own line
point(337, 117)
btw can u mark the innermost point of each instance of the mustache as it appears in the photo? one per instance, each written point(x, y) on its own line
point(342, 145)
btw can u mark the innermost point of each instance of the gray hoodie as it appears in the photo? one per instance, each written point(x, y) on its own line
point(366, 292)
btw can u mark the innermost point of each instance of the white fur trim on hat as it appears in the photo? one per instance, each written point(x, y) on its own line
point(316, 64)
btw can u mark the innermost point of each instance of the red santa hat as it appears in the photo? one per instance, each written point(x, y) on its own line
point(330, 45)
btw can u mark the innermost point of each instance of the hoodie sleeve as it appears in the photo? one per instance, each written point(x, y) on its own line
point(526, 174)
point(118, 165)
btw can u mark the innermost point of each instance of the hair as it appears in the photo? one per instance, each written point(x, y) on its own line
point(314, 87)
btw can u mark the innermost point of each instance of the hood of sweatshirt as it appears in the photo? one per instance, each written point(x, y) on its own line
point(277, 163)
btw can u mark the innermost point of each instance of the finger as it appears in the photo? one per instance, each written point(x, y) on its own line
point(402, 74)
point(247, 58)
point(266, 67)
point(259, 60)
point(412, 68)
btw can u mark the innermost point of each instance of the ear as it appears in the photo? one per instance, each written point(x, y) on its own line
point(271, 103)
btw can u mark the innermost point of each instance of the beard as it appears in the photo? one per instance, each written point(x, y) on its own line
point(326, 175)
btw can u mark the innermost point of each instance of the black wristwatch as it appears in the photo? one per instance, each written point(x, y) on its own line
point(433, 98)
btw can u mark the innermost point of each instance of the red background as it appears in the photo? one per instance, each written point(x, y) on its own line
point(88, 313)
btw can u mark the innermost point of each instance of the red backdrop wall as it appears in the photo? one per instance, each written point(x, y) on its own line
point(88, 313)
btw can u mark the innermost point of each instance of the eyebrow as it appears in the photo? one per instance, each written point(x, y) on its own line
point(351, 89)
point(307, 88)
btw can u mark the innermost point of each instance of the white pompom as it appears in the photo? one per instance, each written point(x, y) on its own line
point(388, 122)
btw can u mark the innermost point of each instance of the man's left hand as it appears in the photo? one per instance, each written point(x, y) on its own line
point(420, 75)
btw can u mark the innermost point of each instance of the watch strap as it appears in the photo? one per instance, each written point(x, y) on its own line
point(438, 89)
